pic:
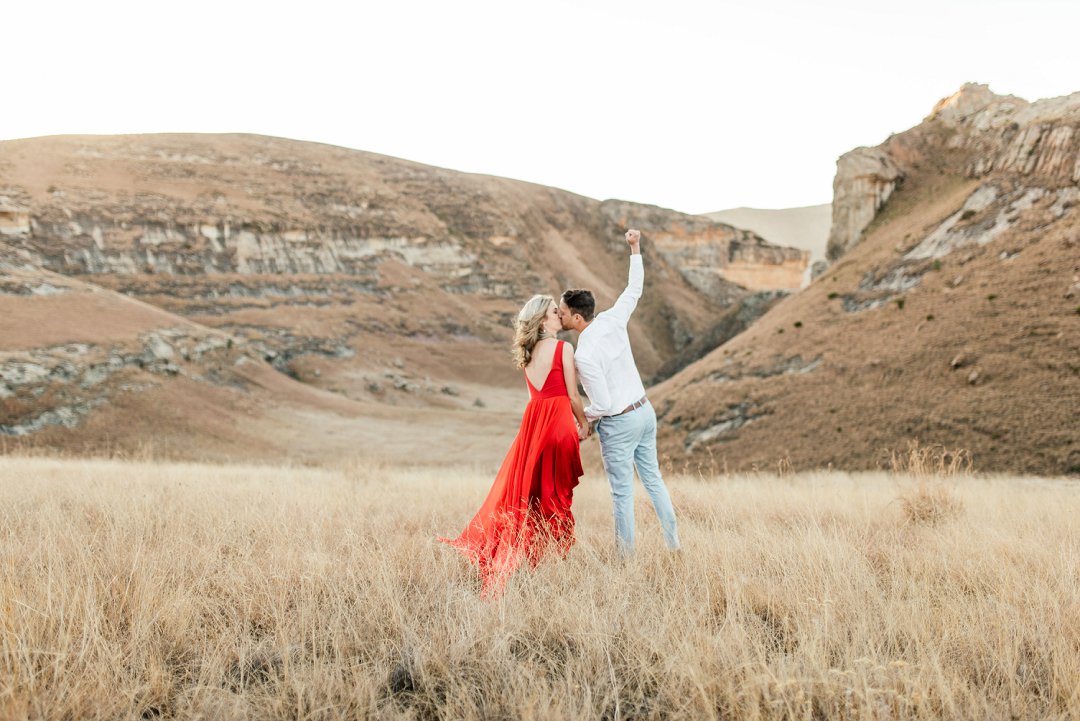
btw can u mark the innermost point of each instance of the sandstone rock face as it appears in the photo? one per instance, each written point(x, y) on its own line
point(973, 258)
point(1037, 144)
point(294, 208)
point(86, 245)
point(1039, 141)
point(1020, 154)
point(865, 178)
point(717, 259)
point(14, 219)
point(806, 227)
point(712, 257)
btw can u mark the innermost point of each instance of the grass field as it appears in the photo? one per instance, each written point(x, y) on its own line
point(135, 590)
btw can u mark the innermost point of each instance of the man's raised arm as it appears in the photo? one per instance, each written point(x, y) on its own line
point(626, 303)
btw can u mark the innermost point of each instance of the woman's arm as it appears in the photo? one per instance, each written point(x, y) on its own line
point(570, 378)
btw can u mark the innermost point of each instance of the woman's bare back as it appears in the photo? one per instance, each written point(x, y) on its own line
point(543, 359)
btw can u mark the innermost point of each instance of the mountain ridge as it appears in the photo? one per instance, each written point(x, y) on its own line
point(948, 314)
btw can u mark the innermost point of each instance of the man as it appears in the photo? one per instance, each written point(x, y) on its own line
point(625, 420)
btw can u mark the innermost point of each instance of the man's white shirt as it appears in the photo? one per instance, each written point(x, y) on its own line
point(604, 360)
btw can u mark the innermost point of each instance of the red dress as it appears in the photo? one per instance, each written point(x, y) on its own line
point(527, 511)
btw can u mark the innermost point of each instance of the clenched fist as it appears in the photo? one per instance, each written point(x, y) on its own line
point(633, 237)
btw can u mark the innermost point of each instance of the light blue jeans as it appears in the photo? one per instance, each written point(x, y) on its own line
point(627, 441)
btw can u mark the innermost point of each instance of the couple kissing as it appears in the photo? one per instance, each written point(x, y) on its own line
point(527, 511)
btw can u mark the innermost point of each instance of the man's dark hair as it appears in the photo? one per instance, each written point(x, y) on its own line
point(580, 301)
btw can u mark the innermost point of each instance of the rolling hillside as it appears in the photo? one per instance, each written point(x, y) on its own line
point(378, 288)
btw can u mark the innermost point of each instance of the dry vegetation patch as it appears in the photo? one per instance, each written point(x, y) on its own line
point(140, 590)
point(927, 475)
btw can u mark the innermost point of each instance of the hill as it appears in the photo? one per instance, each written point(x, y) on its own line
point(385, 287)
point(950, 312)
point(84, 369)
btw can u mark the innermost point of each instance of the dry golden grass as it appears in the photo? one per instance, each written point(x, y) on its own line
point(928, 473)
point(137, 590)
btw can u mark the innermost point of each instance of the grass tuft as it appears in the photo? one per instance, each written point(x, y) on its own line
point(927, 494)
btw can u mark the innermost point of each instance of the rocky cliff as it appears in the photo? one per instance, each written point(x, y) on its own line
point(806, 228)
point(719, 260)
point(865, 178)
point(980, 134)
point(950, 313)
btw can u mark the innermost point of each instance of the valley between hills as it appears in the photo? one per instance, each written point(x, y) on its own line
point(239, 297)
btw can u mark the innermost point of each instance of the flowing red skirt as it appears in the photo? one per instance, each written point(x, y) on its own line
point(527, 512)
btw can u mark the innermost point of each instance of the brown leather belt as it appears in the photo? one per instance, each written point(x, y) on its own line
point(634, 406)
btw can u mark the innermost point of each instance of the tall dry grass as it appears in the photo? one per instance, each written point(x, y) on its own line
point(141, 591)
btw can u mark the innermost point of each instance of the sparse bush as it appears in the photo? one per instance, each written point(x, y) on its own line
point(967, 214)
point(930, 317)
point(798, 324)
point(833, 295)
point(927, 498)
point(929, 503)
point(899, 303)
point(992, 296)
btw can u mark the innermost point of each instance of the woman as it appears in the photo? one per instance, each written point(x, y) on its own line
point(528, 508)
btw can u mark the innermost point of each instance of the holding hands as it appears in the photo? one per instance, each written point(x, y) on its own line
point(584, 432)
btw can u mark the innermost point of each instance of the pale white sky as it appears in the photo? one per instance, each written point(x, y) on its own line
point(695, 106)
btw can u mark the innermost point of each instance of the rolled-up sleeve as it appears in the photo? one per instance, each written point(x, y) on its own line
point(592, 380)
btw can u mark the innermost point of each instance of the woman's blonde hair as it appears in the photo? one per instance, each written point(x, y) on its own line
point(529, 329)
